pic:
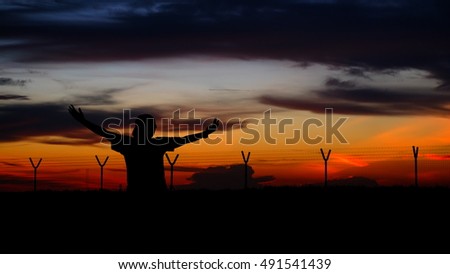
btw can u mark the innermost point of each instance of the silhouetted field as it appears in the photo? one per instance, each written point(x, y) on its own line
point(270, 220)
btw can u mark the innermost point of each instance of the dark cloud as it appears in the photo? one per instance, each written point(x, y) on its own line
point(358, 34)
point(355, 71)
point(367, 101)
point(102, 97)
point(13, 97)
point(334, 82)
point(12, 82)
point(226, 177)
point(10, 164)
point(36, 122)
point(227, 90)
point(23, 121)
point(58, 140)
point(373, 95)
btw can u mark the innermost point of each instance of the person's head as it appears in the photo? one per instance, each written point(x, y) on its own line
point(144, 127)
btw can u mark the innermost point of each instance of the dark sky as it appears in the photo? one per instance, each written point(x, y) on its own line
point(373, 35)
point(357, 37)
point(376, 59)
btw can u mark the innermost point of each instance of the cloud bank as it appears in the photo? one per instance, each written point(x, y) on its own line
point(361, 35)
point(226, 177)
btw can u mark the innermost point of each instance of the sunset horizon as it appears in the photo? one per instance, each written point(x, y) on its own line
point(366, 80)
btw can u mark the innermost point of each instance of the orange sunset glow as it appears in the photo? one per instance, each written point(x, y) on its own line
point(259, 70)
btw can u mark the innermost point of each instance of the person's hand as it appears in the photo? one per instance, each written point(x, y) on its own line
point(213, 126)
point(76, 114)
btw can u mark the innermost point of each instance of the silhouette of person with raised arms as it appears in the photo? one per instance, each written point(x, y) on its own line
point(143, 153)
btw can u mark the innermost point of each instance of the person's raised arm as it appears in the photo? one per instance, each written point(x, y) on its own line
point(78, 115)
point(197, 136)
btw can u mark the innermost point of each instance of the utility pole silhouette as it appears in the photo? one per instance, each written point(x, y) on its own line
point(101, 170)
point(415, 153)
point(171, 169)
point(35, 167)
point(246, 159)
point(325, 159)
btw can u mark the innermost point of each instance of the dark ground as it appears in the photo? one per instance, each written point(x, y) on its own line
point(273, 220)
